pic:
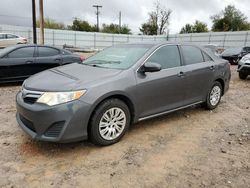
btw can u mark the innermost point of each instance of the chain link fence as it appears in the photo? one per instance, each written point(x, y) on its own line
point(102, 40)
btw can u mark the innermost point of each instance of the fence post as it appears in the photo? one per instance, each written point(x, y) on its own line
point(75, 38)
point(246, 39)
point(113, 39)
point(29, 35)
point(94, 39)
point(175, 37)
point(209, 39)
point(53, 37)
point(154, 38)
point(142, 38)
point(224, 40)
point(191, 35)
point(1, 29)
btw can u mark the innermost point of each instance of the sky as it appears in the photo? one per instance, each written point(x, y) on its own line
point(134, 12)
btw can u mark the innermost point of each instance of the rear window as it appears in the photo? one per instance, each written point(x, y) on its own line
point(192, 55)
point(46, 51)
point(22, 53)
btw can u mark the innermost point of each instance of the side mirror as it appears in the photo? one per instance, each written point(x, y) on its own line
point(150, 67)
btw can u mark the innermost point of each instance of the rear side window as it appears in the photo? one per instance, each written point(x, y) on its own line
point(207, 57)
point(192, 55)
point(22, 53)
point(167, 57)
point(9, 36)
point(46, 51)
point(2, 36)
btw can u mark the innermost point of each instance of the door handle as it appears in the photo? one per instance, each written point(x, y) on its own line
point(29, 62)
point(58, 59)
point(181, 74)
point(212, 67)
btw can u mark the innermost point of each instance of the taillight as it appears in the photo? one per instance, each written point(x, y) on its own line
point(82, 58)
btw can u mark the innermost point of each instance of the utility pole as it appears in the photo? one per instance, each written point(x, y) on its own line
point(41, 22)
point(97, 16)
point(34, 21)
point(120, 21)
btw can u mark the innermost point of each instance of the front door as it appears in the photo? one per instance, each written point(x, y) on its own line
point(161, 91)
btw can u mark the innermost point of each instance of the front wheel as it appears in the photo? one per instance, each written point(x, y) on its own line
point(242, 75)
point(109, 122)
point(214, 96)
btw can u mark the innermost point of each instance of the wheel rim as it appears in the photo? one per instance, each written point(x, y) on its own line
point(215, 95)
point(112, 123)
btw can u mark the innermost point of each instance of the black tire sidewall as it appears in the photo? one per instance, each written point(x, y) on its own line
point(209, 106)
point(242, 75)
point(95, 136)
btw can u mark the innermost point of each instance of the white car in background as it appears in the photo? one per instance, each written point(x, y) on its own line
point(7, 39)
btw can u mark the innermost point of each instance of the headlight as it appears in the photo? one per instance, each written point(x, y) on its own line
point(245, 59)
point(54, 98)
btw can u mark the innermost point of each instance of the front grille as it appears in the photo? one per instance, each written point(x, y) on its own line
point(27, 123)
point(55, 129)
point(30, 97)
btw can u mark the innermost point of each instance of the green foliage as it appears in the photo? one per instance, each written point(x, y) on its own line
point(230, 19)
point(51, 24)
point(81, 25)
point(114, 28)
point(158, 20)
point(198, 27)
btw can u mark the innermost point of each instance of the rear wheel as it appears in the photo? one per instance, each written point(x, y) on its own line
point(242, 75)
point(214, 96)
point(109, 122)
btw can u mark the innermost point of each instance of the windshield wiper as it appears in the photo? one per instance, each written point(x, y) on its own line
point(95, 62)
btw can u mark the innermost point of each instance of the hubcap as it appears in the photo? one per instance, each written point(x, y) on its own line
point(112, 123)
point(215, 95)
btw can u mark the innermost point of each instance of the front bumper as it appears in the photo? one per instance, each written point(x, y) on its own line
point(244, 68)
point(61, 123)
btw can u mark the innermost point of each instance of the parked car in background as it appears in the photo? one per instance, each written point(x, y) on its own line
point(120, 85)
point(244, 67)
point(7, 39)
point(233, 55)
point(21, 61)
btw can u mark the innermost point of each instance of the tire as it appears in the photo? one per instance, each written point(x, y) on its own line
point(104, 131)
point(212, 101)
point(242, 75)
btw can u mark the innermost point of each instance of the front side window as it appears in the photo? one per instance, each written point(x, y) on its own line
point(192, 55)
point(45, 52)
point(9, 36)
point(2, 36)
point(167, 57)
point(118, 57)
point(22, 53)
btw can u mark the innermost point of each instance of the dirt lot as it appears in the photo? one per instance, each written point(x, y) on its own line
point(189, 148)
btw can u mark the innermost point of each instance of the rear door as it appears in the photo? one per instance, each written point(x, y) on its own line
point(16, 63)
point(161, 91)
point(199, 72)
point(47, 57)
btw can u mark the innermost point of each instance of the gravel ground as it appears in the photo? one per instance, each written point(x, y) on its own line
point(188, 148)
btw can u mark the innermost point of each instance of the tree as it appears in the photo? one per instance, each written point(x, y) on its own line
point(51, 24)
point(188, 28)
point(114, 28)
point(81, 25)
point(198, 27)
point(230, 19)
point(158, 20)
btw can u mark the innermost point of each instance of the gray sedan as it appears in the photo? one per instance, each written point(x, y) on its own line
point(100, 98)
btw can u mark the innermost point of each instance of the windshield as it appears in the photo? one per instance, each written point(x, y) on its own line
point(232, 51)
point(118, 57)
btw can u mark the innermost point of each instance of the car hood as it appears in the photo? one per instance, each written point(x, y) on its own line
point(68, 77)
